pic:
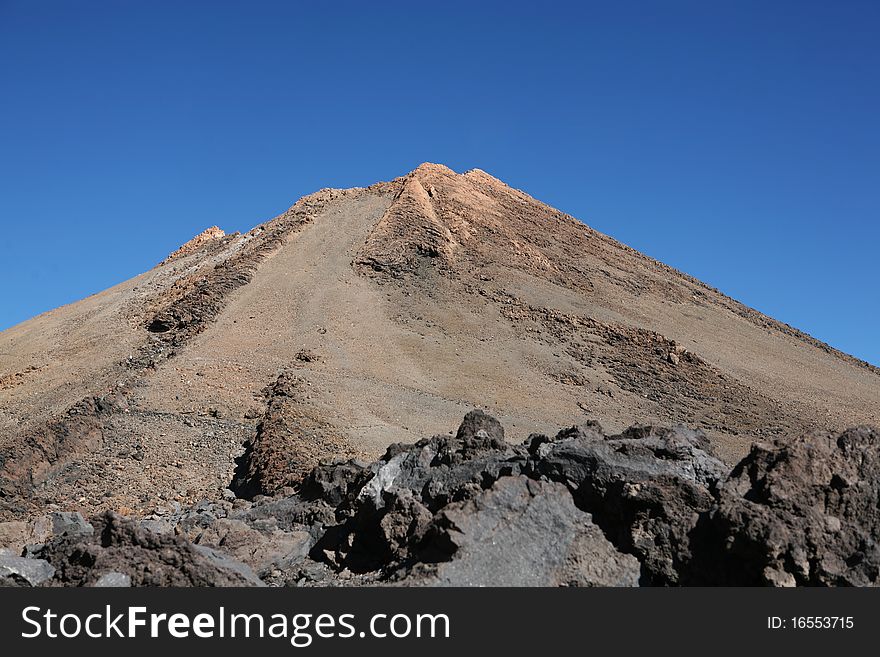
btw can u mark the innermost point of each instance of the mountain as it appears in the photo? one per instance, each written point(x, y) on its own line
point(370, 316)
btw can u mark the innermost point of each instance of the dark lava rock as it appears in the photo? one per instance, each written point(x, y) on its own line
point(649, 506)
point(383, 524)
point(804, 512)
point(335, 482)
point(443, 469)
point(474, 509)
point(477, 424)
point(646, 488)
point(148, 559)
point(70, 523)
point(522, 532)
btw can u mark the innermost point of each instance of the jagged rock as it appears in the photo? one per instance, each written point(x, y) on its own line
point(477, 424)
point(375, 538)
point(288, 514)
point(523, 532)
point(334, 482)
point(385, 520)
point(442, 469)
point(263, 551)
point(646, 488)
point(648, 506)
point(19, 571)
point(206, 236)
point(70, 523)
point(230, 567)
point(290, 440)
point(149, 559)
point(804, 512)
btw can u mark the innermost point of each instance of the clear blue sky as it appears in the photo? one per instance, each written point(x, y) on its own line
point(738, 141)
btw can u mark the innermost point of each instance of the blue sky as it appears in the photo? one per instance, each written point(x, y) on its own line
point(737, 141)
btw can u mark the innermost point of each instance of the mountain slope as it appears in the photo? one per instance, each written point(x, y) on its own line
point(369, 316)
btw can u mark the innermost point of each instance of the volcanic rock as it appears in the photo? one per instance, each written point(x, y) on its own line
point(522, 532)
point(801, 513)
point(646, 487)
point(20, 572)
point(648, 506)
point(148, 559)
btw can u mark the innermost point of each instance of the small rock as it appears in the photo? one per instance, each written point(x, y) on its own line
point(32, 550)
point(224, 562)
point(306, 356)
point(19, 571)
point(157, 526)
point(70, 523)
point(113, 580)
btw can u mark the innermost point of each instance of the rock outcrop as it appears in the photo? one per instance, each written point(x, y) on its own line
point(648, 506)
point(197, 242)
point(291, 439)
point(801, 513)
point(121, 546)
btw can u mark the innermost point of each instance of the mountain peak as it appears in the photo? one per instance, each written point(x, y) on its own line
point(431, 167)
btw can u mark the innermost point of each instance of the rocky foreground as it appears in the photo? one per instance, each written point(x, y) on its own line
point(650, 506)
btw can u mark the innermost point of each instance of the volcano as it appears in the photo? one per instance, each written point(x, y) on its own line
point(370, 316)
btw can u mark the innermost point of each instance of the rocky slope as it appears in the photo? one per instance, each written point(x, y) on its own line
point(366, 317)
point(649, 506)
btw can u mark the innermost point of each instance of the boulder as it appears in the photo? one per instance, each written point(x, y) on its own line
point(802, 512)
point(521, 532)
point(478, 424)
point(646, 488)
